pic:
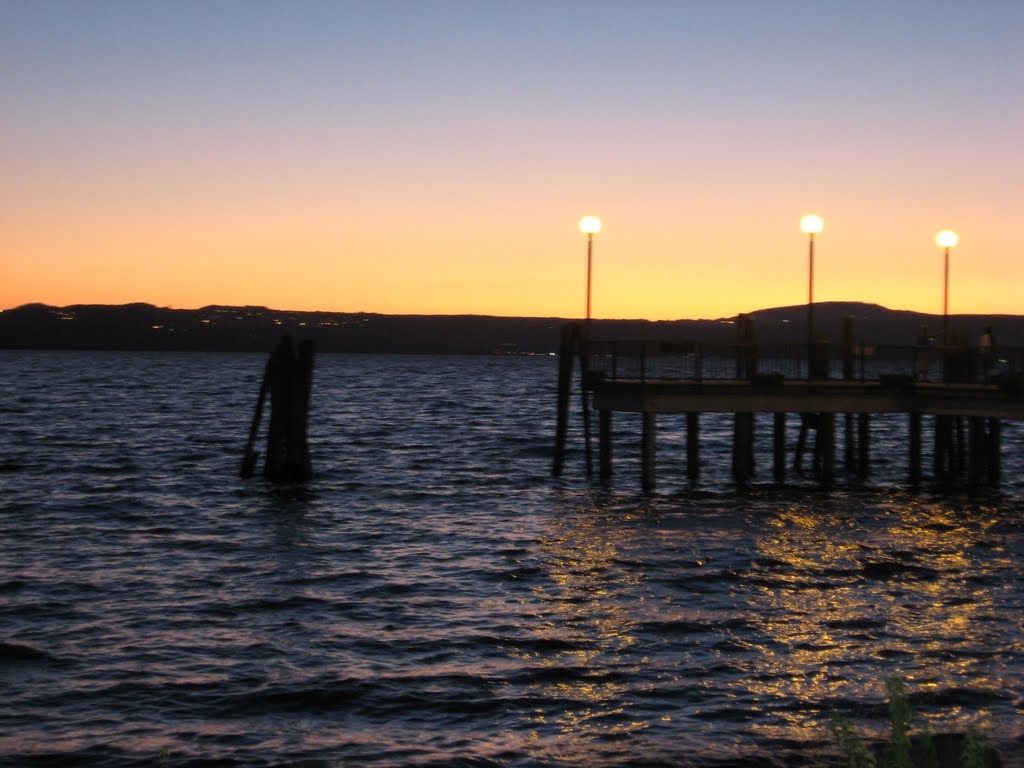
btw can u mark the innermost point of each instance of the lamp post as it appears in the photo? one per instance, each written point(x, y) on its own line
point(812, 225)
point(946, 239)
point(590, 226)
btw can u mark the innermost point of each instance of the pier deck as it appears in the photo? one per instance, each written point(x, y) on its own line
point(791, 396)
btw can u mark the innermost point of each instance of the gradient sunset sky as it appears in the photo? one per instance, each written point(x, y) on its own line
point(435, 156)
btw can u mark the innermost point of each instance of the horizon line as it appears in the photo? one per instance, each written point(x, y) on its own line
point(519, 317)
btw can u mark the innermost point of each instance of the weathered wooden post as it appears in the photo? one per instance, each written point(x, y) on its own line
point(693, 446)
point(850, 454)
point(779, 448)
point(582, 336)
point(944, 455)
point(604, 445)
point(564, 383)
point(825, 445)
point(995, 463)
point(915, 449)
point(808, 421)
point(863, 445)
point(648, 451)
point(289, 380)
point(743, 448)
point(250, 455)
point(978, 453)
point(572, 343)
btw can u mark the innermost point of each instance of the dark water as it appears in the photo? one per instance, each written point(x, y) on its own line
point(433, 597)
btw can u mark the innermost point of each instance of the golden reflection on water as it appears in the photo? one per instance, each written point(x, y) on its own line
point(589, 622)
point(824, 605)
point(908, 591)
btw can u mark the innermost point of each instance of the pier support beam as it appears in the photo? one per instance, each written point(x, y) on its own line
point(648, 451)
point(743, 448)
point(995, 463)
point(604, 446)
point(914, 474)
point(693, 446)
point(564, 385)
point(850, 454)
point(808, 421)
point(573, 342)
point(978, 453)
point(863, 445)
point(779, 448)
point(944, 459)
point(825, 448)
point(984, 465)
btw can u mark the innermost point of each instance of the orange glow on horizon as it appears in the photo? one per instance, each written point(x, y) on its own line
point(481, 264)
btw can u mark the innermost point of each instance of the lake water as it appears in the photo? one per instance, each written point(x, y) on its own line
point(434, 598)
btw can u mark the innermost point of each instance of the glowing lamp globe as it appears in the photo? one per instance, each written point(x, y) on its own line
point(812, 224)
point(947, 238)
point(590, 225)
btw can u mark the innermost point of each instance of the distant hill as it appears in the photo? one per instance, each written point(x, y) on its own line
point(222, 328)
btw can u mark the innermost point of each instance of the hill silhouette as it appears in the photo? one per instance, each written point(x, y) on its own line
point(241, 329)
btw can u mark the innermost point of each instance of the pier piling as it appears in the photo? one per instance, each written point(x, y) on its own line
point(779, 447)
point(288, 379)
point(604, 445)
point(648, 450)
point(693, 446)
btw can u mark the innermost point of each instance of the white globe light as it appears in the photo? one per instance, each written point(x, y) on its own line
point(812, 224)
point(947, 238)
point(590, 225)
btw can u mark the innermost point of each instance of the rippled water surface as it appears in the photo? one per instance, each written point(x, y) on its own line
point(434, 597)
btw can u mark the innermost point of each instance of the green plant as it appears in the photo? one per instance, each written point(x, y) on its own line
point(905, 750)
point(850, 743)
point(976, 749)
point(900, 715)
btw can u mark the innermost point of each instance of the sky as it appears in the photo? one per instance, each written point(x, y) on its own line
point(435, 156)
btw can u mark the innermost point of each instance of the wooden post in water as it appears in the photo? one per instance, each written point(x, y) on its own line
point(251, 455)
point(564, 384)
point(827, 440)
point(290, 378)
point(915, 449)
point(850, 453)
point(944, 456)
point(961, 444)
point(604, 445)
point(743, 448)
point(648, 451)
point(582, 337)
point(693, 446)
point(995, 464)
point(779, 448)
point(978, 453)
point(863, 445)
point(808, 421)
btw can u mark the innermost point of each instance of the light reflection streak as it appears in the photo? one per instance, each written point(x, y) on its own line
point(902, 593)
point(588, 614)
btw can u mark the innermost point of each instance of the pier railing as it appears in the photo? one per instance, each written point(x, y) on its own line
point(699, 361)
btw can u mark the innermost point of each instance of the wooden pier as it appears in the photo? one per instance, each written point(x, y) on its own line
point(832, 389)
